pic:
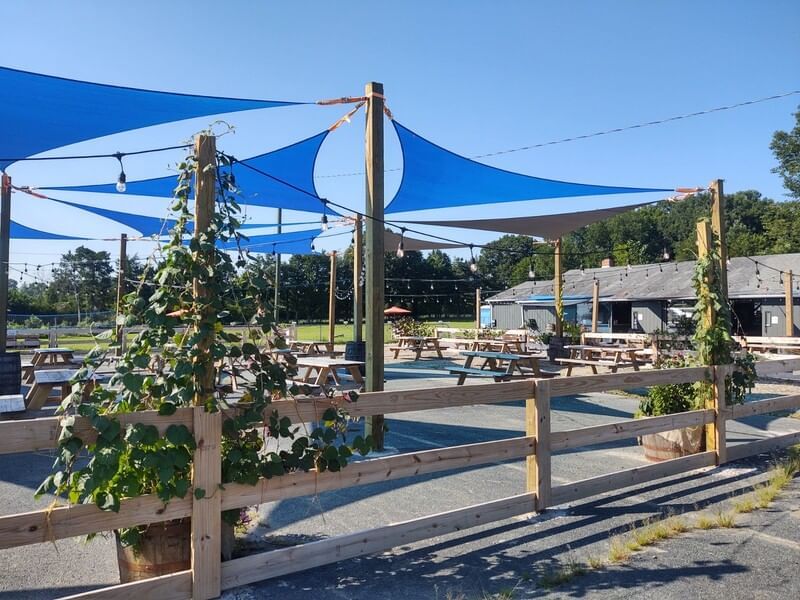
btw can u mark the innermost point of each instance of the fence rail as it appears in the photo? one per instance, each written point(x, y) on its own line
point(536, 446)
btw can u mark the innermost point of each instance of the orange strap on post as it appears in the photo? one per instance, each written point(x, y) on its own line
point(346, 118)
point(343, 100)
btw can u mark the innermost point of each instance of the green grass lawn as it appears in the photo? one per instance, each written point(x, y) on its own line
point(318, 332)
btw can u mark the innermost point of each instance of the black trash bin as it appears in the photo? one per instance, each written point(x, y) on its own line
point(356, 351)
point(10, 373)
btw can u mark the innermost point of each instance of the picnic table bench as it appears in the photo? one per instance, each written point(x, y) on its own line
point(319, 369)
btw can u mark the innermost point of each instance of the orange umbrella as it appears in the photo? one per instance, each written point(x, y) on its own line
point(396, 311)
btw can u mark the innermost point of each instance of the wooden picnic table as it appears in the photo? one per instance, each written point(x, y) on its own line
point(498, 365)
point(417, 344)
point(611, 356)
point(312, 348)
point(318, 369)
point(53, 356)
point(46, 381)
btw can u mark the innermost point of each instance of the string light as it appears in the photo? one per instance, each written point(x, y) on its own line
point(400, 250)
point(473, 266)
point(666, 254)
point(122, 179)
point(324, 222)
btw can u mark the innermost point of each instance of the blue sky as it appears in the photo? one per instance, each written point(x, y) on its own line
point(475, 77)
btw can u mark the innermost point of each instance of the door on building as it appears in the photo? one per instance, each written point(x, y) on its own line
point(746, 317)
point(621, 317)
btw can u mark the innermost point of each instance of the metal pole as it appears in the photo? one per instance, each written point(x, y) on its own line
point(358, 290)
point(275, 309)
point(123, 267)
point(332, 301)
point(374, 252)
point(5, 239)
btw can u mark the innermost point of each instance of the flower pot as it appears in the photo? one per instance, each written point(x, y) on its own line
point(672, 444)
point(164, 548)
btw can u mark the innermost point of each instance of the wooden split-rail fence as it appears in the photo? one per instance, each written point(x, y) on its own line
point(208, 575)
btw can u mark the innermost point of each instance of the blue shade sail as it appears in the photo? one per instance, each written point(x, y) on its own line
point(22, 232)
point(290, 186)
point(293, 242)
point(41, 112)
point(437, 178)
point(143, 224)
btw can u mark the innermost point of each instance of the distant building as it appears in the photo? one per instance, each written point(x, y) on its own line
point(647, 298)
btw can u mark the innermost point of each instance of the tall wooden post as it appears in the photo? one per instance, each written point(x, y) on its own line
point(5, 241)
point(718, 227)
point(358, 290)
point(595, 305)
point(121, 276)
point(557, 291)
point(537, 424)
point(477, 311)
point(715, 400)
point(374, 252)
point(207, 466)
point(332, 301)
point(787, 286)
point(275, 308)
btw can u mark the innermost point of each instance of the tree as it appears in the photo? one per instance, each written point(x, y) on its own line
point(83, 282)
point(786, 148)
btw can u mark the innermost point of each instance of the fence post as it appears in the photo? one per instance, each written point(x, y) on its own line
point(537, 424)
point(207, 466)
point(715, 432)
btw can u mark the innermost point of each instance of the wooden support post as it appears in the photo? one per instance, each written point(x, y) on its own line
point(358, 289)
point(5, 241)
point(714, 432)
point(477, 311)
point(332, 300)
point(121, 275)
point(595, 305)
point(374, 252)
point(207, 466)
point(787, 286)
point(276, 308)
point(718, 227)
point(557, 290)
point(537, 424)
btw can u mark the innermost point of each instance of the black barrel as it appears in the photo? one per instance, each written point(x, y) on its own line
point(10, 373)
point(356, 351)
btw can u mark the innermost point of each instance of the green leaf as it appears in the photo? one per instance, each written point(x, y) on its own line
point(199, 493)
point(166, 409)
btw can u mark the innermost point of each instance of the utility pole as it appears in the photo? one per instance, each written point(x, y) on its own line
point(121, 276)
point(5, 240)
point(595, 304)
point(374, 252)
point(787, 286)
point(718, 228)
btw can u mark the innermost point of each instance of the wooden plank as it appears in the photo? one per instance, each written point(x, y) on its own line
point(621, 430)
point(719, 230)
point(767, 445)
point(565, 386)
point(595, 304)
point(175, 586)
point(358, 288)
point(772, 366)
point(398, 401)
point(760, 407)
point(29, 435)
point(206, 521)
point(537, 424)
point(82, 519)
point(376, 470)
point(276, 563)
point(622, 479)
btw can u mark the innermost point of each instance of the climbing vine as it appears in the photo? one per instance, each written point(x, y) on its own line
point(167, 363)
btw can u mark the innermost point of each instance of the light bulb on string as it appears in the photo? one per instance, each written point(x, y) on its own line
point(473, 266)
point(273, 249)
point(324, 222)
point(666, 254)
point(532, 270)
point(122, 179)
point(400, 250)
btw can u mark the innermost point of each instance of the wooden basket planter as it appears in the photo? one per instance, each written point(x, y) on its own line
point(672, 444)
